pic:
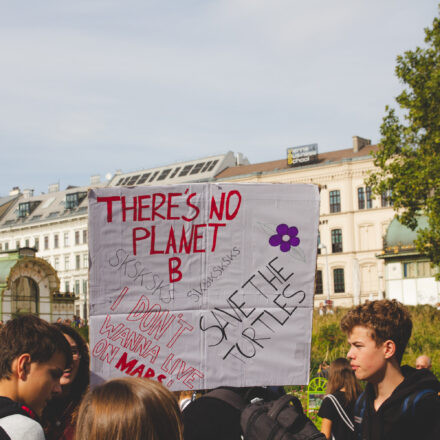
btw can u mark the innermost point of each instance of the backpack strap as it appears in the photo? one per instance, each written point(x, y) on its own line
point(228, 396)
point(342, 414)
point(359, 411)
point(409, 404)
point(279, 404)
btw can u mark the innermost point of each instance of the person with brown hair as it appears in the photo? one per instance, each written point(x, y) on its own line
point(33, 356)
point(398, 402)
point(60, 413)
point(337, 407)
point(129, 408)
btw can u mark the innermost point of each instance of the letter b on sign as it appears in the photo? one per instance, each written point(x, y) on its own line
point(173, 268)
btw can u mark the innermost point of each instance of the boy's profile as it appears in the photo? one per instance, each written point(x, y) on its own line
point(398, 402)
point(33, 356)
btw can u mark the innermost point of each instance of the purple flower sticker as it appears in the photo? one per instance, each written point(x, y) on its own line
point(285, 238)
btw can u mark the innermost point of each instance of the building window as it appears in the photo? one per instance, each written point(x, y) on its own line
point(369, 198)
point(6, 246)
point(86, 260)
point(319, 242)
point(336, 240)
point(77, 237)
point(36, 243)
point(17, 244)
point(26, 242)
point(365, 199)
point(418, 269)
point(66, 262)
point(24, 209)
point(56, 241)
point(386, 199)
point(66, 239)
point(84, 236)
point(46, 242)
point(56, 263)
point(76, 287)
point(318, 283)
point(84, 286)
point(361, 198)
point(77, 262)
point(75, 199)
point(66, 286)
point(338, 280)
point(335, 201)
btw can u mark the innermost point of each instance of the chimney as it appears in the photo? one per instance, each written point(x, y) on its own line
point(359, 143)
point(95, 179)
point(28, 193)
point(14, 191)
point(54, 187)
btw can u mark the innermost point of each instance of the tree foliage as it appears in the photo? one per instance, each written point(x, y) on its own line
point(409, 154)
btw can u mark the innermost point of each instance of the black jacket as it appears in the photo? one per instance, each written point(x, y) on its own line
point(411, 412)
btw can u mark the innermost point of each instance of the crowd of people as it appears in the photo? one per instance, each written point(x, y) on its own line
point(45, 393)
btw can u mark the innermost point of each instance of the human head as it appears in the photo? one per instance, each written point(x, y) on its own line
point(423, 361)
point(33, 356)
point(341, 376)
point(129, 408)
point(77, 376)
point(386, 320)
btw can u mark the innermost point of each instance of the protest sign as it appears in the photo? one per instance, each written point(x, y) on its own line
point(203, 285)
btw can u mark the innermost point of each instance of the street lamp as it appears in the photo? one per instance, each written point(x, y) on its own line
point(323, 246)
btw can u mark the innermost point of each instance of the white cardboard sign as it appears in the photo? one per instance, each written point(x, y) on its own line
point(203, 285)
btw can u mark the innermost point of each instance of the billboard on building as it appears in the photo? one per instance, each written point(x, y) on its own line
point(302, 155)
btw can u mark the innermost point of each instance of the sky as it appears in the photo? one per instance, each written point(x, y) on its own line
point(93, 86)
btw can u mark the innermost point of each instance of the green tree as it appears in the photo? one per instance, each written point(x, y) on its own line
point(409, 154)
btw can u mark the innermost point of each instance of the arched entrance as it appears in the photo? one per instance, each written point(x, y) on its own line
point(24, 296)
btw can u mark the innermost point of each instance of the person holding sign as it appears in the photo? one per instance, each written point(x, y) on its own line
point(337, 407)
point(129, 409)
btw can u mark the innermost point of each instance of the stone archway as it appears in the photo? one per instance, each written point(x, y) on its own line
point(31, 285)
point(24, 296)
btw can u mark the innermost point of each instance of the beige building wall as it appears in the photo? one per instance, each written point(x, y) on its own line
point(362, 230)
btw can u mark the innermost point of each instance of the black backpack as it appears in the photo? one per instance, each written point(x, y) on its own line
point(281, 419)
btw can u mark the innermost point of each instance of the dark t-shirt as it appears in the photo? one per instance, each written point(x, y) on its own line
point(340, 430)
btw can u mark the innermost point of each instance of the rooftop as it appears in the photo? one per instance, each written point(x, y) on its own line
point(280, 165)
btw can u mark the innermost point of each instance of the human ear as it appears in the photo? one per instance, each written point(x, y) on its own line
point(389, 348)
point(23, 365)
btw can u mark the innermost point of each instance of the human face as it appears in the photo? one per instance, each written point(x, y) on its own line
point(367, 359)
point(422, 362)
point(42, 382)
point(69, 374)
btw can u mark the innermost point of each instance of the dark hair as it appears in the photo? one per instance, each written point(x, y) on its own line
point(62, 410)
point(30, 334)
point(387, 320)
point(81, 381)
point(342, 376)
point(129, 408)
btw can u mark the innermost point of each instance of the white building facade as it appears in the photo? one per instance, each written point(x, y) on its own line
point(352, 222)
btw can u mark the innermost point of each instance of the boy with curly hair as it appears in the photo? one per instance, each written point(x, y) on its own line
point(398, 402)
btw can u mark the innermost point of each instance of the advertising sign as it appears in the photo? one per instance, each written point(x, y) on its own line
point(303, 155)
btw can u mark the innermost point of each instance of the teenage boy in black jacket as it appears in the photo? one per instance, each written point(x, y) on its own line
point(398, 402)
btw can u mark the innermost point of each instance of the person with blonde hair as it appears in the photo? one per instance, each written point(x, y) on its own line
point(337, 407)
point(129, 408)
